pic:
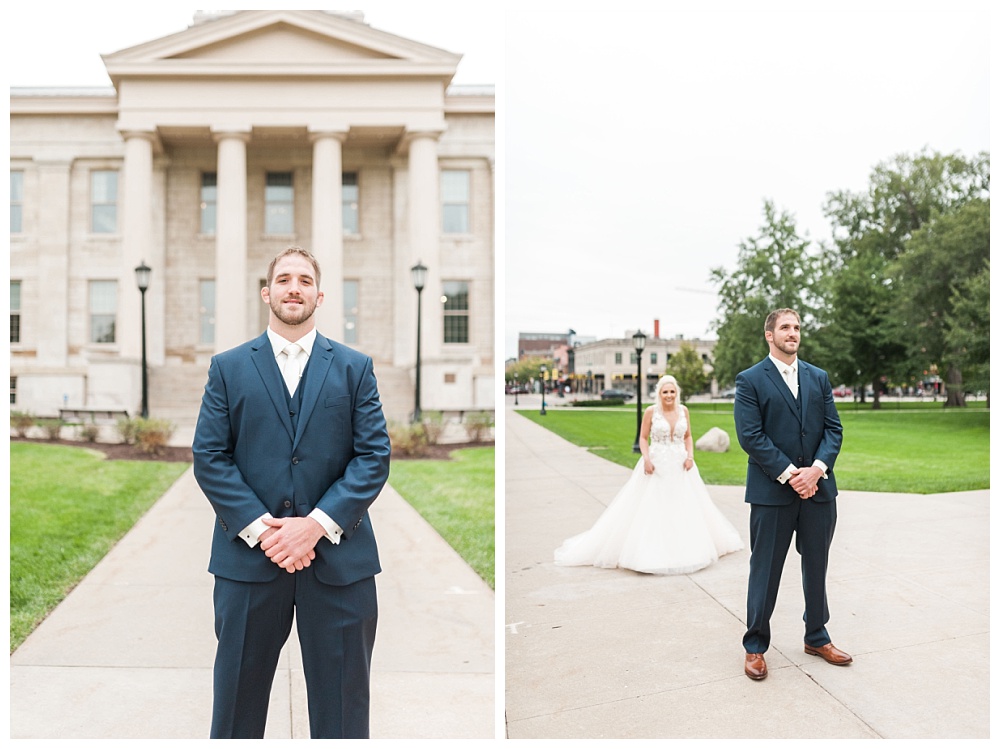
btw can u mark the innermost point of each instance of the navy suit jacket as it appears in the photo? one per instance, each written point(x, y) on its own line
point(776, 432)
point(248, 460)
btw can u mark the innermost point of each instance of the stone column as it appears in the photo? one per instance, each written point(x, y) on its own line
point(425, 233)
point(53, 263)
point(137, 242)
point(328, 229)
point(231, 300)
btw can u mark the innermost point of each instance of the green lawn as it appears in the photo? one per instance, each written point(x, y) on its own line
point(456, 497)
point(923, 449)
point(68, 507)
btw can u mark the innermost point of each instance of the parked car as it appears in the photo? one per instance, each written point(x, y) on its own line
point(512, 389)
point(620, 394)
point(842, 392)
point(727, 393)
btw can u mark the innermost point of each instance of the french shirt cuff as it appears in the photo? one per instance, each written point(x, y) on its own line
point(783, 478)
point(822, 466)
point(251, 534)
point(333, 531)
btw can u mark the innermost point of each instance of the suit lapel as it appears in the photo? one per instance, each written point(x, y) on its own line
point(779, 382)
point(267, 368)
point(805, 386)
point(319, 365)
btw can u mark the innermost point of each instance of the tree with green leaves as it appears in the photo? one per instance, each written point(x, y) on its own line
point(775, 269)
point(526, 370)
point(689, 370)
point(871, 231)
point(968, 326)
point(939, 261)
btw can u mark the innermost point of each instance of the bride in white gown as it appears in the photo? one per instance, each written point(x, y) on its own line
point(662, 521)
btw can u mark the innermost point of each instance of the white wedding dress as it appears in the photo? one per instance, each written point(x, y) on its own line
point(663, 523)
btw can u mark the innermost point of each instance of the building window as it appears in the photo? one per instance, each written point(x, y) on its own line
point(618, 357)
point(632, 358)
point(15, 311)
point(206, 311)
point(103, 202)
point(13, 391)
point(279, 198)
point(456, 311)
point(103, 308)
point(455, 201)
point(209, 196)
point(16, 201)
point(349, 202)
point(652, 357)
point(351, 311)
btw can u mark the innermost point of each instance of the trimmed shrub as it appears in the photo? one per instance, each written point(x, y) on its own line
point(127, 429)
point(21, 422)
point(152, 435)
point(89, 432)
point(408, 439)
point(433, 422)
point(51, 427)
point(477, 425)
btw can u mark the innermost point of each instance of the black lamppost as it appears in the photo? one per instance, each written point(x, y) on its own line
point(516, 388)
point(639, 341)
point(419, 274)
point(142, 279)
point(541, 381)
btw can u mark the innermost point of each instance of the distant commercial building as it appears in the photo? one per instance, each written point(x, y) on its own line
point(611, 362)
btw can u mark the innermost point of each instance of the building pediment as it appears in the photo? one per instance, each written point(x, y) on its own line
point(281, 43)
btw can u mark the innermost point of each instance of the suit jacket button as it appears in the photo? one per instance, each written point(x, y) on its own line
point(295, 461)
point(287, 503)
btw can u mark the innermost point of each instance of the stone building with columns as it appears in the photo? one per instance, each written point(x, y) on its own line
point(216, 148)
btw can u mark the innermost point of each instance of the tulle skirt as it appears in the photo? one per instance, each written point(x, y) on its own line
point(663, 523)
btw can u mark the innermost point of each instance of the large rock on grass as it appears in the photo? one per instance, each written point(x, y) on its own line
point(715, 440)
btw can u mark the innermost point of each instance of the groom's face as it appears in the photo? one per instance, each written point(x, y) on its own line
point(785, 336)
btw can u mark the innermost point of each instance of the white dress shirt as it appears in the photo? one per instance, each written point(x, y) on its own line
point(251, 534)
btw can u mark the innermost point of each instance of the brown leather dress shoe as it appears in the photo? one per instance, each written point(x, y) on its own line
point(830, 654)
point(755, 667)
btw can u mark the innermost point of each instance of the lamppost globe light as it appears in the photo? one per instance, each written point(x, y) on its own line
point(419, 274)
point(639, 341)
point(142, 276)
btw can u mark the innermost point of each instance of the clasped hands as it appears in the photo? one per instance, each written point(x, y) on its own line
point(291, 542)
point(805, 481)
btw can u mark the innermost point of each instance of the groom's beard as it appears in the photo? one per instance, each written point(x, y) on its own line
point(788, 347)
point(293, 315)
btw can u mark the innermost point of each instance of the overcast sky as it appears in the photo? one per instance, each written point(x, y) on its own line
point(641, 144)
point(51, 45)
point(637, 141)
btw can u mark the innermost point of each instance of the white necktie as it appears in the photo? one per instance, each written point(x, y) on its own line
point(792, 381)
point(290, 369)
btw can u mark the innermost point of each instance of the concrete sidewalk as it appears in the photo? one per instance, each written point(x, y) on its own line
point(129, 653)
point(616, 654)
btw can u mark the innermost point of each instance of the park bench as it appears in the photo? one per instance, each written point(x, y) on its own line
point(83, 415)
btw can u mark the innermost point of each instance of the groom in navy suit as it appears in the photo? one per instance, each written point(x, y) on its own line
point(291, 448)
point(787, 423)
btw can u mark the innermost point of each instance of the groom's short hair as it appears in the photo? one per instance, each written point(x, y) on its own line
point(293, 251)
point(772, 318)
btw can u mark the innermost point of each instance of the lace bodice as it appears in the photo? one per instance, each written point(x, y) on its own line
point(659, 431)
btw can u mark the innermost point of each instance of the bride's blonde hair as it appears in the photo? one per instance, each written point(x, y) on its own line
point(664, 380)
